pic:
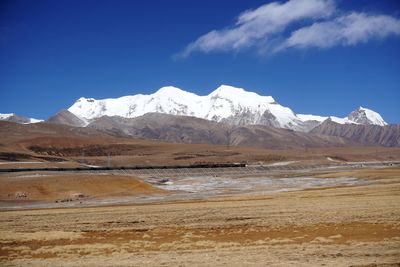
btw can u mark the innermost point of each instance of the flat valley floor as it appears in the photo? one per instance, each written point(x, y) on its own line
point(355, 225)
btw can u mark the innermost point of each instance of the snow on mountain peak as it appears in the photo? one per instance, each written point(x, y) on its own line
point(341, 120)
point(18, 119)
point(366, 116)
point(4, 116)
point(359, 116)
point(309, 117)
point(226, 103)
point(84, 99)
point(242, 107)
point(170, 90)
point(239, 94)
point(226, 90)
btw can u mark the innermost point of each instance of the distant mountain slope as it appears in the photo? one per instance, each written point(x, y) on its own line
point(179, 129)
point(359, 116)
point(367, 134)
point(18, 119)
point(10, 132)
point(20, 141)
point(65, 146)
point(183, 129)
point(67, 118)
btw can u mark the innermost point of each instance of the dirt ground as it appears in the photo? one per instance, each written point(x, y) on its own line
point(50, 187)
point(341, 226)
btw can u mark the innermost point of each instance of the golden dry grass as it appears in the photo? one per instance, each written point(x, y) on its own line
point(343, 226)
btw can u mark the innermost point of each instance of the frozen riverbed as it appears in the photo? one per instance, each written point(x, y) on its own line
point(226, 185)
point(199, 188)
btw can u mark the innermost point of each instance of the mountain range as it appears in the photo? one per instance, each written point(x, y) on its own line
point(228, 115)
point(225, 104)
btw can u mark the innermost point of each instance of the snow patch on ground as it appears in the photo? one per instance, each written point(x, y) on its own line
point(281, 163)
point(331, 159)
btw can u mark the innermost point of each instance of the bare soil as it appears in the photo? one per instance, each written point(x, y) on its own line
point(52, 187)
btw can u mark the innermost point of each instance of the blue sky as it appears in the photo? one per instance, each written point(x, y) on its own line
point(320, 57)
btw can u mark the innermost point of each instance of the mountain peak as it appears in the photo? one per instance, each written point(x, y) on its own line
point(359, 116)
point(239, 95)
point(169, 90)
point(223, 88)
point(366, 116)
point(228, 90)
point(226, 102)
point(67, 118)
point(84, 99)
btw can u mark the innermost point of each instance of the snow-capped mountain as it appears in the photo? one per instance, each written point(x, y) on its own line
point(4, 116)
point(359, 116)
point(366, 116)
point(15, 118)
point(225, 104)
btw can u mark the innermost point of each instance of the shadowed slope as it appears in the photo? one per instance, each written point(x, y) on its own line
point(366, 134)
point(183, 129)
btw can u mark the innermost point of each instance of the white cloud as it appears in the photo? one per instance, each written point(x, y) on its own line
point(266, 28)
point(345, 30)
point(253, 26)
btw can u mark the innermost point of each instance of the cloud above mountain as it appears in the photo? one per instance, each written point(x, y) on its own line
point(299, 24)
point(345, 30)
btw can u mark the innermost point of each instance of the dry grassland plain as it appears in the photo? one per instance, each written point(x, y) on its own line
point(337, 226)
